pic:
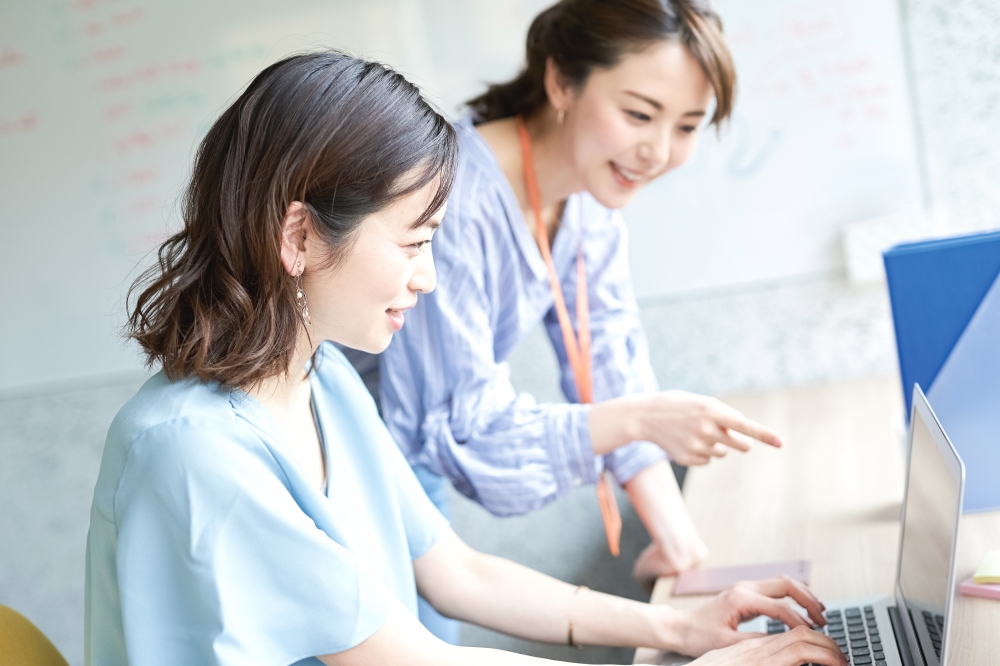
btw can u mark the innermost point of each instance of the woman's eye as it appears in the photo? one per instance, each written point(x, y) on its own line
point(419, 246)
point(689, 129)
point(638, 115)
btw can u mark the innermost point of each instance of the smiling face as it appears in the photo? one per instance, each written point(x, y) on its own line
point(360, 301)
point(633, 122)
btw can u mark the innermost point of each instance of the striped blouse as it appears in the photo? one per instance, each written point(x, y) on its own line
point(445, 387)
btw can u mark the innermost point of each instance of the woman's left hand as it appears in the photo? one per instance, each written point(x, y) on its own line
point(669, 558)
point(713, 624)
point(676, 543)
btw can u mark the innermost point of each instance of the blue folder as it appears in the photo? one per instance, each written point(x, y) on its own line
point(945, 298)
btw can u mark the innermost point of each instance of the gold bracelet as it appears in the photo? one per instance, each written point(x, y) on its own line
point(569, 634)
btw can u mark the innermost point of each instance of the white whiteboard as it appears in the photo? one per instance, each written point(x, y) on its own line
point(822, 136)
point(102, 103)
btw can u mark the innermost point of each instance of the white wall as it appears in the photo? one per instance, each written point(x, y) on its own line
point(821, 136)
point(955, 50)
point(106, 100)
point(103, 104)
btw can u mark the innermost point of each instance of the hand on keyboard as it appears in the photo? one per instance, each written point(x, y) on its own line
point(856, 635)
point(715, 623)
point(799, 646)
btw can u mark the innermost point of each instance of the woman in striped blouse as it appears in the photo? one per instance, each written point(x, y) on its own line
point(613, 95)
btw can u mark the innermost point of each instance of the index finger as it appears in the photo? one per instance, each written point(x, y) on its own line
point(789, 587)
point(733, 420)
point(734, 439)
point(777, 610)
point(809, 640)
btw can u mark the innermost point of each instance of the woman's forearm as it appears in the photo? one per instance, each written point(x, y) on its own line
point(676, 543)
point(613, 424)
point(691, 428)
point(658, 501)
point(507, 597)
point(530, 605)
point(403, 640)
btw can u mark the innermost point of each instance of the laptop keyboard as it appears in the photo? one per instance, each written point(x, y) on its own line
point(935, 625)
point(855, 631)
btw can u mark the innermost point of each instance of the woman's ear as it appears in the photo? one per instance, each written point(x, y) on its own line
point(294, 229)
point(557, 87)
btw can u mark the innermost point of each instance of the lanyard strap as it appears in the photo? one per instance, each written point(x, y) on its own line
point(577, 349)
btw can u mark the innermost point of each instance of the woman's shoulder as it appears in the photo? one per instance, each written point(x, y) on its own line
point(479, 176)
point(172, 428)
point(161, 401)
point(477, 220)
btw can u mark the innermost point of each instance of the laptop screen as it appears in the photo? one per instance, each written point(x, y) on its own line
point(929, 524)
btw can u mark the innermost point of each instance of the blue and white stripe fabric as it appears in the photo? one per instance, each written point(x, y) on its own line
point(445, 388)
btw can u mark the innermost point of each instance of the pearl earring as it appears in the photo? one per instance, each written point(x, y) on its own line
point(300, 296)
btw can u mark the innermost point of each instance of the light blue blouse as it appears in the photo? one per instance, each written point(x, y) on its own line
point(207, 544)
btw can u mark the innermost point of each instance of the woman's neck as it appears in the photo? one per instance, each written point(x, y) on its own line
point(288, 398)
point(550, 151)
point(282, 393)
point(549, 147)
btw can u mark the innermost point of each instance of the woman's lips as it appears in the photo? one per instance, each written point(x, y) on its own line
point(396, 318)
point(627, 177)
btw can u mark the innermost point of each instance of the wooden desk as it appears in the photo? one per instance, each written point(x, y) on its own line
point(831, 495)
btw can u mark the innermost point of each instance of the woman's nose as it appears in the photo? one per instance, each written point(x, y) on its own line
point(424, 279)
point(656, 152)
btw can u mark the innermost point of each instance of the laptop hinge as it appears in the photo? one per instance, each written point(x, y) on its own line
point(902, 645)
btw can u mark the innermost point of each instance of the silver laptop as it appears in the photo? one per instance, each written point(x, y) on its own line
point(911, 628)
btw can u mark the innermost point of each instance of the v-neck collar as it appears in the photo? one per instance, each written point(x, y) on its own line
point(320, 436)
point(253, 411)
point(567, 240)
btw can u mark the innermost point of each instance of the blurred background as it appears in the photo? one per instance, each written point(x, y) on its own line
point(859, 124)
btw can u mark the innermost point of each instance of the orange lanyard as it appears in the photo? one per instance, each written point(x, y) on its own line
point(577, 349)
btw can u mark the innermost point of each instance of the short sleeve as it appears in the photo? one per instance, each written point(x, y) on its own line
point(218, 564)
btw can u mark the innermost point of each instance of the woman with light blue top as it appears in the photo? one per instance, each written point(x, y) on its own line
point(612, 96)
point(251, 508)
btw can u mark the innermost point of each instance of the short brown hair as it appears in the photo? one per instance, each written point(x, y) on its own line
point(583, 35)
point(344, 136)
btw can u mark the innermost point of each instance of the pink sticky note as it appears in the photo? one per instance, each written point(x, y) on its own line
point(710, 581)
point(972, 589)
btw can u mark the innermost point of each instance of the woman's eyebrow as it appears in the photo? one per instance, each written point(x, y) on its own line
point(652, 102)
point(431, 224)
point(659, 107)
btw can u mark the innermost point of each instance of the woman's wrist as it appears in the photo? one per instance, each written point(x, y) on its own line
point(615, 423)
point(634, 411)
point(671, 627)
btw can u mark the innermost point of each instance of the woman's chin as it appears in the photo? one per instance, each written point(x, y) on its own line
point(377, 346)
point(374, 343)
point(611, 196)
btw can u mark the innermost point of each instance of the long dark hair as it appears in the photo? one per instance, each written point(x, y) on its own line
point(344, 136)
point(583, 35)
